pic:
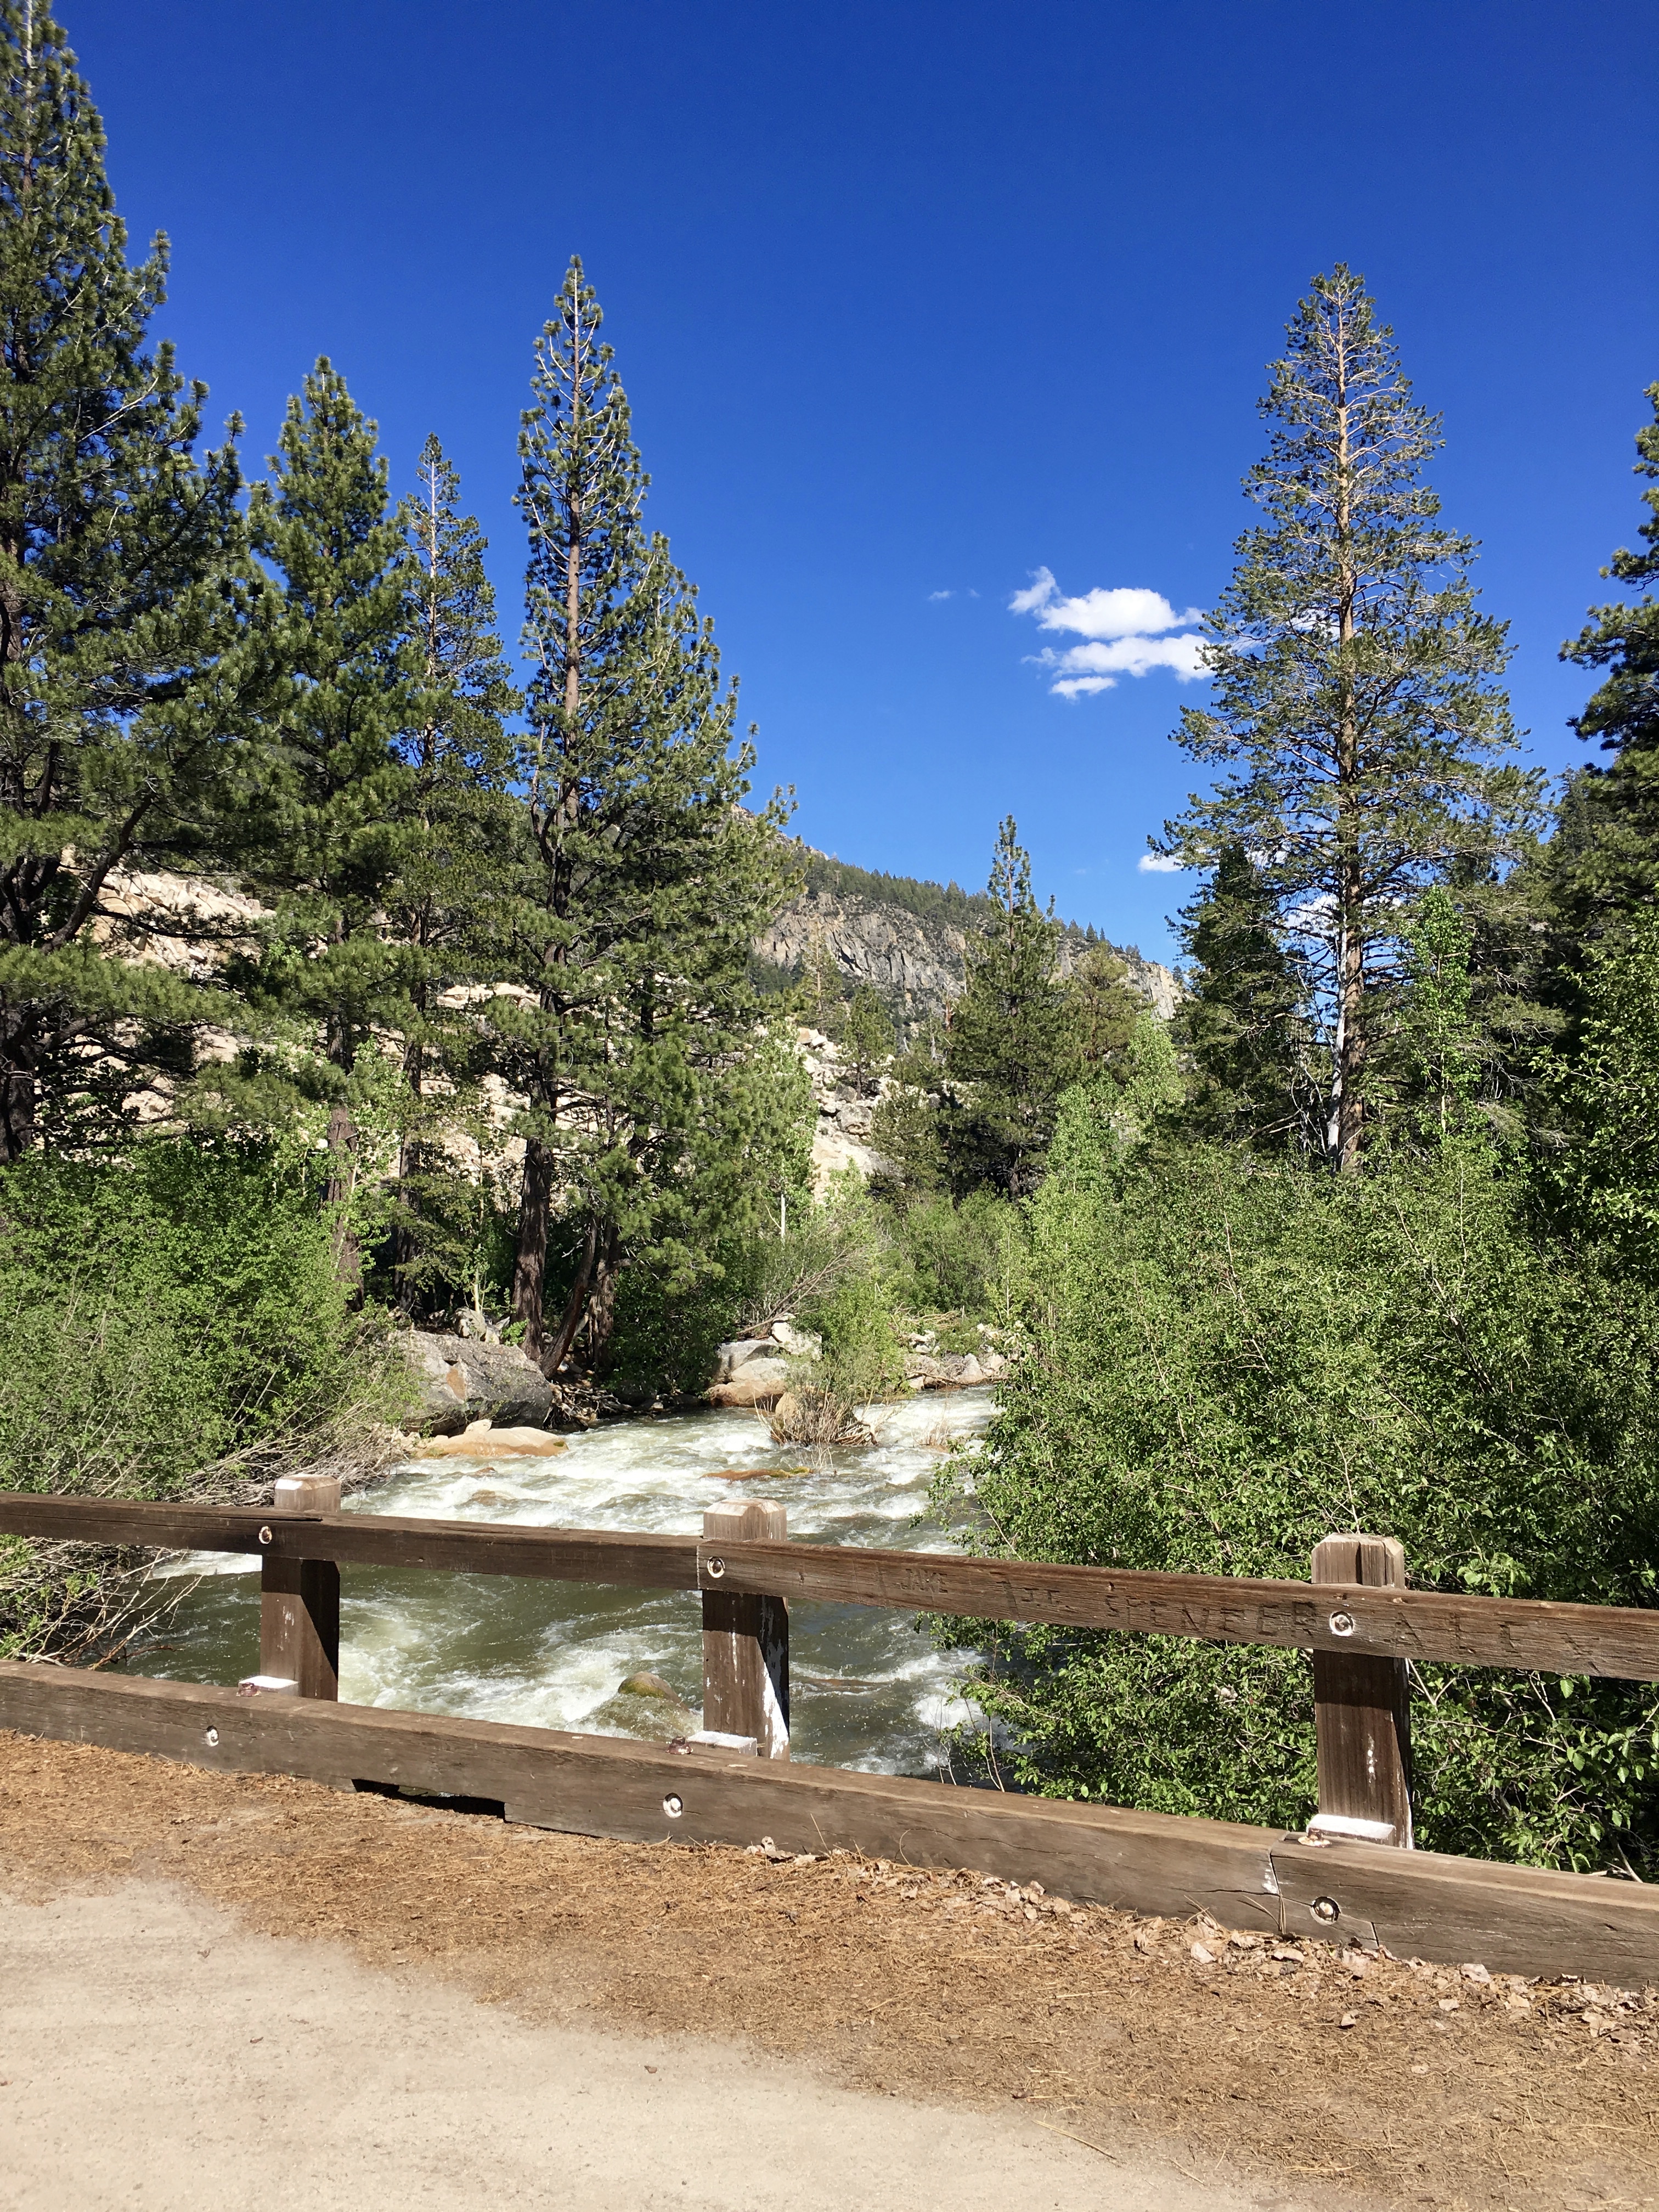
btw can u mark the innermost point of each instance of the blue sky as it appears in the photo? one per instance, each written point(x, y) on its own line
point(914, 303)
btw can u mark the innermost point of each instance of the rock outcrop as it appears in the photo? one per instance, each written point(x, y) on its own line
point(466, 1379)
point(753, 1371)
point(917, 966)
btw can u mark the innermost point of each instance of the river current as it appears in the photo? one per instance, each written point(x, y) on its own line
point(868, 1690)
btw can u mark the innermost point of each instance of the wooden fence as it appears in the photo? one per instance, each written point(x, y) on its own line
point(1352, 1876)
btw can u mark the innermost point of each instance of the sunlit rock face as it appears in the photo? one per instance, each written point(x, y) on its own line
point(916, 966)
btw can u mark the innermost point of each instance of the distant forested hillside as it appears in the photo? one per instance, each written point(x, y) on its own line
point(928, 902)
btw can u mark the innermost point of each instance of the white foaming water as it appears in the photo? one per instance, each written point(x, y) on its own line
point(869, 1691)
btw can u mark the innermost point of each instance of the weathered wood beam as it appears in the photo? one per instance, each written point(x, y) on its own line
point(745, 1643)
point(1416, 1903)
point(467, 1547)
point(299, 1599)
point(1620, 1642)
point(1616, 1641)
point(1362, 1709)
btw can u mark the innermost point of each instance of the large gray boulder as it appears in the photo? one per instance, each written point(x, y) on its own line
point(462, 1379)
point(756, 1383)
point(729, 1358)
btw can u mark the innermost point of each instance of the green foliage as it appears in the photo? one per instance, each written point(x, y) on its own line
point(1612, 860)
point(1611, 1096)
point(344, 823)
point(639, 883)
point(1356, 734)
point(1011, 1048)
point(135, 656)
point(1438, 1018)
point(437, 909)
point(863, 1361)
point(162, 1314)
point(1232, 1357)
point(1104, 1010)
point(973, 1107)
point(905, 1129)
point(1241, 1022)
point(938, 902)
point(966, 1258)
point(865, 1035)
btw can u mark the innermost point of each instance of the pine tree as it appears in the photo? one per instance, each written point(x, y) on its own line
point(1609, 1170)
point(1011, 1048)
point(460, 825)
point(1442, 1039)
point(864, 1038)
point(641, 881)
point(345, 822)
point(1241, 1024)
point(1356, 724)
point(1607, 856)
point(134, 665)
point(1104, 1010)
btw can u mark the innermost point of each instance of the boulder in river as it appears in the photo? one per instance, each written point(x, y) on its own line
point(462, 1380)
point(646, 1708)
point(955, 1370)
point(756, 1383)
point(730, 1358)
point(482, 1440)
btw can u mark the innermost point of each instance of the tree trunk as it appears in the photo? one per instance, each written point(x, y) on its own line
point(1350, 1033)
point(341, 1189)
point(530, 1261)
point(1349, 888)
point(16, 1091)
point(601, 1315)
point(558, 1347)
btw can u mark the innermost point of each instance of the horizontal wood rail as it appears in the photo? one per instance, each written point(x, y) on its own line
point(1354, 1875)
point(360, 1540)
point(1618, 1642)
point(1415, 1903)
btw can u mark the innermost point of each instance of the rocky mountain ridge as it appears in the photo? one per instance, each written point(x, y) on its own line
point(916, 964)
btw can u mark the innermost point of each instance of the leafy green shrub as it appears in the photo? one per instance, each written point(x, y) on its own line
point(163, 1312)
point(665, 1337)
point(963, 1258)
point(1611, 1093)
point(1231, 1358)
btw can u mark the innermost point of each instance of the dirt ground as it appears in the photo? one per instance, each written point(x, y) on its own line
point(1342, 2080)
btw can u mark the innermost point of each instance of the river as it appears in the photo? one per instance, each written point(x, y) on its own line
point(868, 1691)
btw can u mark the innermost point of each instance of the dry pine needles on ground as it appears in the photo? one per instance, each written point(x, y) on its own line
point(1399, 2083)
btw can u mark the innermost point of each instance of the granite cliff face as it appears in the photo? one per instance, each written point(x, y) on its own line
point(914, 961)
point(916, 964)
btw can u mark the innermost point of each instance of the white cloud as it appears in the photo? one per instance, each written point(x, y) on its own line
point(1127, 628)
point(941, 595)
point(1158, 864)
point(1042, 589)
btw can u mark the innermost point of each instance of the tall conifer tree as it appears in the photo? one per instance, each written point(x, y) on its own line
point(1242, 1020)
point(346, 821)
point(133, 669)
point(461, 825)
point(1012, 1046)
point(1356, 729)
point(1606, 859)
point(642, 881)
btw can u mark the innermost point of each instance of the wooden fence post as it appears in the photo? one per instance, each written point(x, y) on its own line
point(1362, 1709)
point(300, 1602)
point(745, 1643)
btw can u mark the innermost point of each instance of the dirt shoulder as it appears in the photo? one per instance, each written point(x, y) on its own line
point(1341, 2080)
